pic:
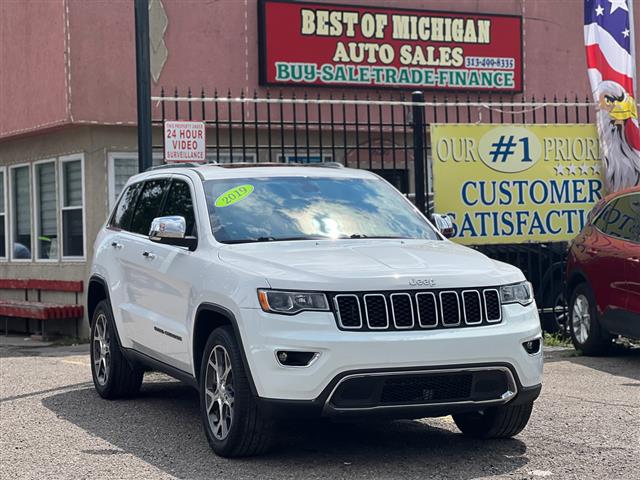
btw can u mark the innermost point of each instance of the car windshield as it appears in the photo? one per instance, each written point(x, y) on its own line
point(306, 208)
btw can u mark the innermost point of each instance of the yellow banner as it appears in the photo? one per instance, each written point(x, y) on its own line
point(515, 183)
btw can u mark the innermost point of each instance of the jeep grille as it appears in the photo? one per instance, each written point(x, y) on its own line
point(417, 310)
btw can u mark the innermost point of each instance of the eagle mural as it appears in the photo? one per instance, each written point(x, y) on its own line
point(617, 119)
point(609, 38)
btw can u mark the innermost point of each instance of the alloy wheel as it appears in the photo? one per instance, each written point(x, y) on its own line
point(581, 319)
point(219, 392)
point(101, 350)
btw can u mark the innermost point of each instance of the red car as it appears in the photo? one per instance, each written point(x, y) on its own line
point(603, 274)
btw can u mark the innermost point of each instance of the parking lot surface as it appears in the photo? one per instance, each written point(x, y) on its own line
point(586, 425)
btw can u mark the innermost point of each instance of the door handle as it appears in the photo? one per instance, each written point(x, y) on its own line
point(116, 245)
point(149, 255)
point(634, 259)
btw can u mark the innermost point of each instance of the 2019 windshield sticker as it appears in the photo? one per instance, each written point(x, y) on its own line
point(233, 195)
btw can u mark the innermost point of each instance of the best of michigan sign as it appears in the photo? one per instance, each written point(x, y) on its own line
point(515, 183)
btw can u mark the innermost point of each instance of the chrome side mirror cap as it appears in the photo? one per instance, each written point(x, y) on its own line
point(443, 223)
point(171, 231)
point(167, 227)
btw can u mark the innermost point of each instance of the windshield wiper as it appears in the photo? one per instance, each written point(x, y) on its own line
point(361, 235)
point(276, 239)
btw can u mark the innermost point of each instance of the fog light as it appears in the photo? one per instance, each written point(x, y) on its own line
point(296, 359)
point(532, 346)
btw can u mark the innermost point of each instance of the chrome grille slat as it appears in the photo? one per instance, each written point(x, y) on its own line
point(369, 300)
point(448, 302)
point(493, 314)
point(428, 301)
point(417, 310)
point(470, 309)
point(345, 315)
point(401, 311)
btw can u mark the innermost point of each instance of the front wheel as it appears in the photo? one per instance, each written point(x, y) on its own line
point(587, 334)
point(113, 375)
point(232, 421)
point(504, 421)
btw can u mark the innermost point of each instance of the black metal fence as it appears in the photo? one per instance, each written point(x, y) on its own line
point(387, 135)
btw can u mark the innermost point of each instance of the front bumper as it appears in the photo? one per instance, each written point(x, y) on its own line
point(342, 353)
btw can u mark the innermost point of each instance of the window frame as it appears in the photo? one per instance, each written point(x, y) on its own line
point(61, 208)
point(12, 212)
point(35, 220)
point(112, 198)
point(5, 213)
point(111, 174)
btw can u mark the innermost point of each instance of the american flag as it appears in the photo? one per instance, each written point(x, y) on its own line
point(608, 36)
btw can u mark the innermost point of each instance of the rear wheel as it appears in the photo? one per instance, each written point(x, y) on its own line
point(495, 422)
point(232, 421)
point(587, 334)
point(113, 375)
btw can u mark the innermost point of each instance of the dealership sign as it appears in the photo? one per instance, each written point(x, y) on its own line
point(340, 45)
point(516, 183)
point(184, 142)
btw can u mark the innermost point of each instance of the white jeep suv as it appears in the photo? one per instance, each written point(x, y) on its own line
point(285, 291)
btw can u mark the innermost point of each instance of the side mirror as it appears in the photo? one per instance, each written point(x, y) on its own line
point(171, 231)
point(443, 223)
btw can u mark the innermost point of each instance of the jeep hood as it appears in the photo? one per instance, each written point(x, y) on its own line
point(360, 264)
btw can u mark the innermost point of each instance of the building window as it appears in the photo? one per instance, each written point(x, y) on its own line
point(45, 200)
point(21, 213)
point(72, 206)
point(121, 167)
point(3, 215)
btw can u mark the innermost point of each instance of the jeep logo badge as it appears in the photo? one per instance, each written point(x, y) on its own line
point(422, 282)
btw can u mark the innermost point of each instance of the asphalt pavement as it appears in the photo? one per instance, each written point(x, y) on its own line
point(585, 425)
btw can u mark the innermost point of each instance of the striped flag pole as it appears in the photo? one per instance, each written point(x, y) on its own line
point(609, 42)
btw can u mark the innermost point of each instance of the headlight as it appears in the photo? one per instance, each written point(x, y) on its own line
point(521, 293)
point(277, 301)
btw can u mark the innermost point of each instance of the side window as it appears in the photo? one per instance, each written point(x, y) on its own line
point(124, 211)
point(179, 202)
point(148, 205)
point(602, 222)
point(624, 220)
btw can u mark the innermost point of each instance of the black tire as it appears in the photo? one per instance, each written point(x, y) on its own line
point(556, 321)
point(597, 340)
point(119, 379)
point(504, 421)
point(249, 432)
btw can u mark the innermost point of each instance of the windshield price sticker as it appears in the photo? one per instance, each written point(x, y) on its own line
point(234, 195)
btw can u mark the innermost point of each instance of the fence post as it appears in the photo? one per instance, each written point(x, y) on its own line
point(143, 84)
point(418, 150)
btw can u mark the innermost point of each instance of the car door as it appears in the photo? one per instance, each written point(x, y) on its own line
point(605, 260)
point(114, 248)
point(164, 274)
point(139, 284)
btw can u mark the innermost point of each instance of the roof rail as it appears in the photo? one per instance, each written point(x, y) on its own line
point(244, 165)
point(173, 165)
point(278, 164)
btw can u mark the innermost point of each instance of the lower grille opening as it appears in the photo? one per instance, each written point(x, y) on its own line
point(426, 389)
point(421, 388)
